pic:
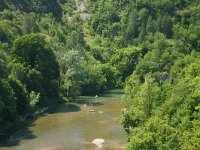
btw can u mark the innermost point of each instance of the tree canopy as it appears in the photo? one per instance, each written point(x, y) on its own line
point(50, 53)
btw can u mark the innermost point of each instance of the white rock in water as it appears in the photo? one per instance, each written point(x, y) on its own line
point(98, 142)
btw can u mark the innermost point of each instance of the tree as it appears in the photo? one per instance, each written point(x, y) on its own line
point(72, 74)
point(21, 96)
point(7, 101)
point(4, 35)
point(132, 29)
point(149, 96)
point(111, 74)
point(3, 65)
point(150, 27)
point(158, 23)
point(95, 80)
point(166, 26)
point(29, 24)
point(34, 99)
point(32, 51)
point(142, 32)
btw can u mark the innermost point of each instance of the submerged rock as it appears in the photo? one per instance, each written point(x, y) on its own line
point(98, 142)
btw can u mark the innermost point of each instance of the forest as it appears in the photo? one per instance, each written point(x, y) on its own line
point(49, 54)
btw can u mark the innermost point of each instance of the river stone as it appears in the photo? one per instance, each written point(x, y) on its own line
point(98, 142)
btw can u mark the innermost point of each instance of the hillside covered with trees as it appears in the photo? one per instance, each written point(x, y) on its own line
point(151, 48)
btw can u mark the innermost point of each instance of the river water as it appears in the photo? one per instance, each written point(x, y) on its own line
point(71, 126)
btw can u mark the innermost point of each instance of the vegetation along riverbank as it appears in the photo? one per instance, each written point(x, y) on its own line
point(53, 51)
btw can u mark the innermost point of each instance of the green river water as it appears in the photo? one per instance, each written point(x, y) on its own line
point(70, 126)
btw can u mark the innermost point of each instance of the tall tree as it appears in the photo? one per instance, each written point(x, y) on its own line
point(158, 23)
point(142, 32)
point(166, 25)
point(33, 51)
point(29, 24)
point(150, 27)
point(132, 29)
point(72, 74)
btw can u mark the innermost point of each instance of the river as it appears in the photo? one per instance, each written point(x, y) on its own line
point(71, 126)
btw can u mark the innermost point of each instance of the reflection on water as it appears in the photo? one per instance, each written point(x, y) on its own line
point(73, 127)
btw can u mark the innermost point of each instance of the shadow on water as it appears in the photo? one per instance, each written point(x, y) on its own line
point(17, 133)
point(64, 108)
point(21, 130)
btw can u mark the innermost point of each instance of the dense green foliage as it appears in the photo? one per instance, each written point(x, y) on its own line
point(152, 48)
point(162, 93)
point(154, 45)
point(44, 58)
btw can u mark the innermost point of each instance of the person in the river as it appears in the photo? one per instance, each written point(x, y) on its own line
point(85, 105)
point(96, 97)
